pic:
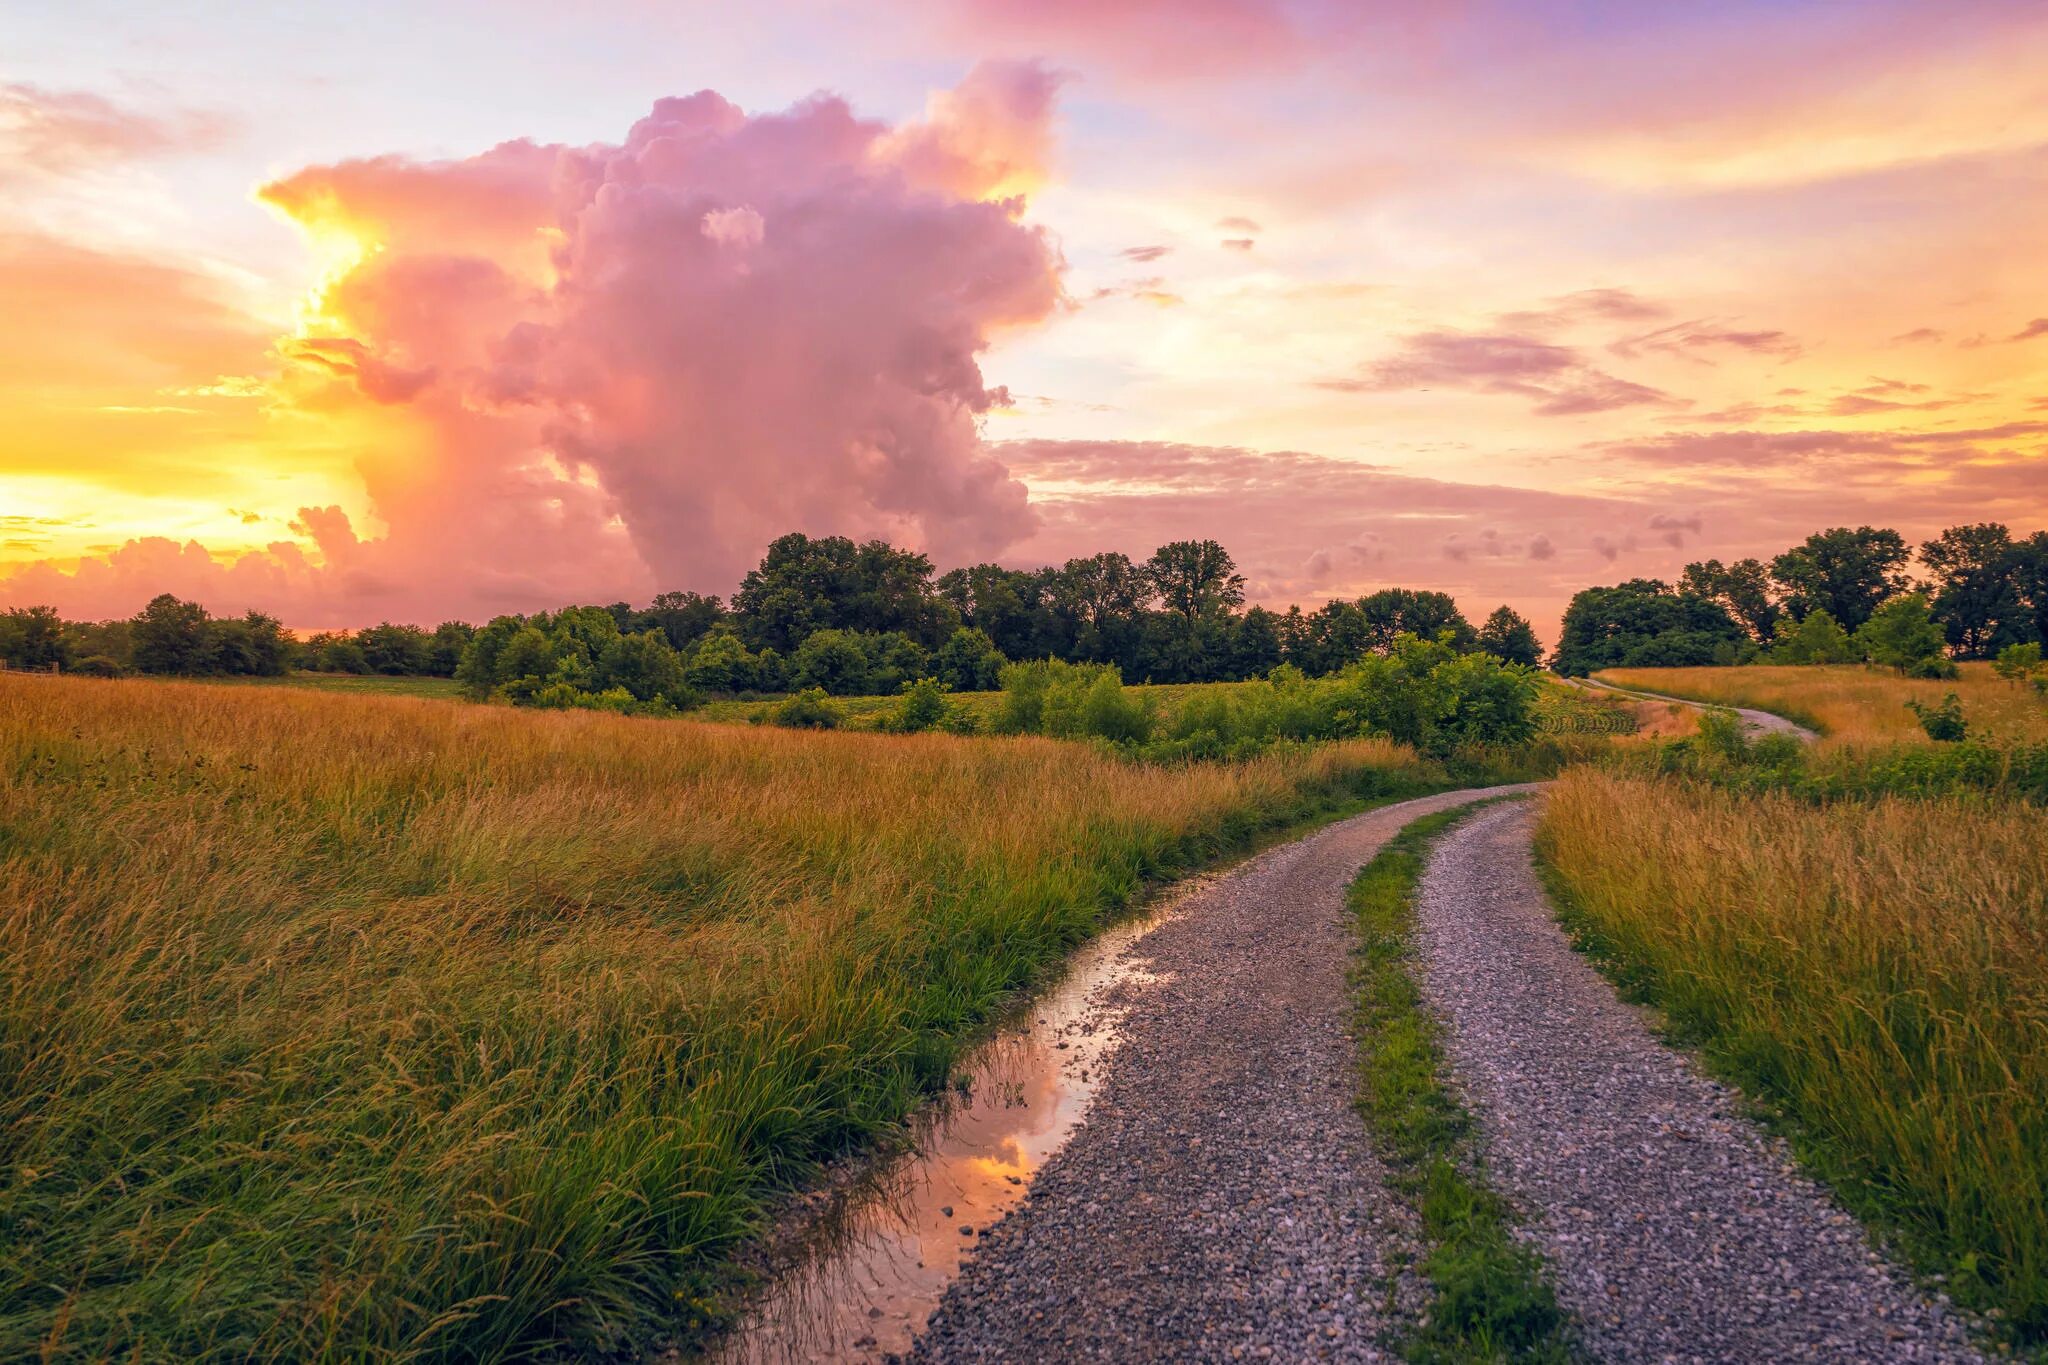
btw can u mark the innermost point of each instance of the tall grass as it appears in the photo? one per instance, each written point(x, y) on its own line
point(385, 1028)
point(1878, 969)
point(1851, 704)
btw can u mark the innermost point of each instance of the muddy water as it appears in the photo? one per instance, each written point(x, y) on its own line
point(885, 1250)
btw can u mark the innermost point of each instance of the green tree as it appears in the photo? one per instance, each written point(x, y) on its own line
point(682, 617)
point(1195, 578)
point(1901, 633)
point(721, 662)
point(646, 666)
point(834, 661)
point(34, 637)
point(395, 650)
point(1977, 589)
point(173, 636)
point(253, 646)
point(2017, 663)
point(1845, 573)
point(1643, 623)
point(968, 662)
point(1818, 639)
point(1508, 635)
point(444, 654)
point(1742, 589)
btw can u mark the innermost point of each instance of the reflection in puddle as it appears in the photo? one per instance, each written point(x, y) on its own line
point(887, 1249)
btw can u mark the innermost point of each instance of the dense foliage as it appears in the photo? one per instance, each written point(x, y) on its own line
point(1840, 596)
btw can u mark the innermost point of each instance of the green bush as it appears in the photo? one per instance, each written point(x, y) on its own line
point(1943, 723)
point(810, 709)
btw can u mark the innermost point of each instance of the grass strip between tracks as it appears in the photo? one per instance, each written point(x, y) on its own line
point(1490, 1298)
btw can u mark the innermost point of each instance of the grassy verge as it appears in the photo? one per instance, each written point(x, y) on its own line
point(339, 1027)
point(1875, 971)
point(1490, 1298)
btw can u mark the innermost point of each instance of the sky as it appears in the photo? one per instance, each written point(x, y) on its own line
point(421, 311)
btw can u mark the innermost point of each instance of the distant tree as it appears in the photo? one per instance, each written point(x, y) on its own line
point(834, 661)
point(804, 585)
point(254, 645)
point(1819, 639)
point(479, 671)
point(444, 653)
point(1391, 612)
point(1508, 635)
point(1901, 634)
point(968, 662)
point(34, 637)
point(1643, 623)
point(682, 617)
point(2030, 580)
point(646, 666)
point(721, 662)
point(1195, 578)
point(395, 650)
point(1842, 572)
point(1743, 589)
point(1977, 589)
point(527, 655)
point(172, 636)
point(1255, 645)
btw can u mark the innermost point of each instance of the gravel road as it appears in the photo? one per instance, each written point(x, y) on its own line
point(1220, 1202)
point(1754, 721)
point(1678, 1231)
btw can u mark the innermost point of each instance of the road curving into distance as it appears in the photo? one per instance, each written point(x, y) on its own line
point(1755, 721)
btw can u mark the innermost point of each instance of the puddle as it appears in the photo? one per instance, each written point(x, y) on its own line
point(885, 1249)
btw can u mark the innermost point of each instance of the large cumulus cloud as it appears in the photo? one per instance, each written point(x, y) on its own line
point(605, 369)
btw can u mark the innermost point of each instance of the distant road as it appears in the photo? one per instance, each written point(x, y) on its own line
point(1756, 722)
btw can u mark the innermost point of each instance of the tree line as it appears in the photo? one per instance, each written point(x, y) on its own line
point(1839, 596)
point(817, 612)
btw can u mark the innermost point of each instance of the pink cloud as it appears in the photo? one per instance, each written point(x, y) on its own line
point(2037, 328)
point(592, 371)
point(1556, 377)
point(1690, 338)
point(61, 131)
point(1304, 527)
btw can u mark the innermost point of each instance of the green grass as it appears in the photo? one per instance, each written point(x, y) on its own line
point(984, 704)
point(358, 684)
point(373, 1028)
point(1874, 971)
point(1491, 1299)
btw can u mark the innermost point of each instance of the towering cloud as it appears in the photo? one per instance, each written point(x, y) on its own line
point(591, 370)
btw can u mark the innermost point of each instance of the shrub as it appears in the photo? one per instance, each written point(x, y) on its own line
point(809, 709)
point(924, 707)
point(2016, 662)
point(1943, 723)
point(98, 666)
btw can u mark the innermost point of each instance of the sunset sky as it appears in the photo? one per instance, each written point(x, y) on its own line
point(411, 311)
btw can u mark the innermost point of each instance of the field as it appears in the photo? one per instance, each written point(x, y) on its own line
point(358, 684)
point(1876, 969)
point(379, 1028)
point(1851, 704)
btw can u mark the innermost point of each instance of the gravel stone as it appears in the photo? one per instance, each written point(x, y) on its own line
point(1220, 1202)
point(1678, 1230)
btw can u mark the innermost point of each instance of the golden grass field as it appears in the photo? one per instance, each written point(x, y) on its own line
point(1851, 704)
point(383, 1028)
point(1877, 968)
